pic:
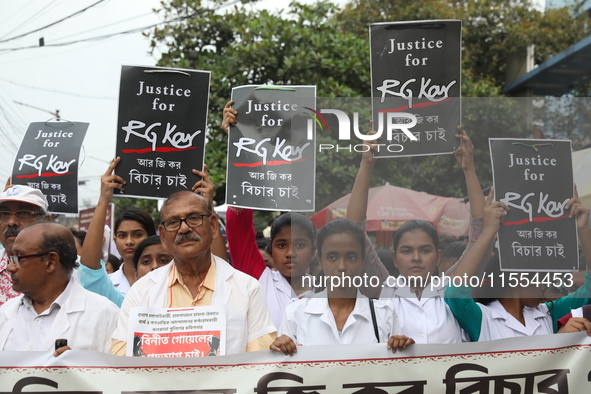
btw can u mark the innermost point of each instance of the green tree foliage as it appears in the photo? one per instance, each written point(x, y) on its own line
point(320, 45)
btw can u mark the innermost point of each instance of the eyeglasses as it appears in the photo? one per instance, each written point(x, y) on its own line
point(193, 220)
point(16, 260)
point(20, 215)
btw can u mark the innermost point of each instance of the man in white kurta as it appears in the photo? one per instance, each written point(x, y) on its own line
point(197, 278)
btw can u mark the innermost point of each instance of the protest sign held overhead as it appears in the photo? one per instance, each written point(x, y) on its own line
point(161, 129)
point(48, 160)
point(415, 85)
point(535, 179)
point(271, 154)
point(177, 332)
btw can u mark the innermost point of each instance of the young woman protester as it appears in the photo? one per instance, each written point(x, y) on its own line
point(419, 303)
point(520, 310)
point(339, 314)
point(150, 255)
point(293, 238)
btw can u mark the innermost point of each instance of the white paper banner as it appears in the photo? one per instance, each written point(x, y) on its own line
point(557, 363)
point(177, 332)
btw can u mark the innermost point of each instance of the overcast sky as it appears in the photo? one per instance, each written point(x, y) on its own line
point(88, 72)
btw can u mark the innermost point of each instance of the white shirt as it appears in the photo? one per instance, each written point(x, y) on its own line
point(120, 281)
point(497, 323)
point(85, 319)
point(278, 293)
point(428, 320)
point(247, 315)
point(309, 321)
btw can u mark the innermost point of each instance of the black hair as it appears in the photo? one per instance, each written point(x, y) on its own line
point(293, 218)
point(114, 261)
point(137, 215)
point(413, 225)
point(385, 256)
point(340, 226)
point(151, 240)
point(454, 250)
point(175, 196)
point(80, 235)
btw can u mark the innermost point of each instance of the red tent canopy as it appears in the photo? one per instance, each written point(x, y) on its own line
point(390, 206)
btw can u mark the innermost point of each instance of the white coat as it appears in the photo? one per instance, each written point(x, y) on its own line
point(87, 320)
point(247, 315)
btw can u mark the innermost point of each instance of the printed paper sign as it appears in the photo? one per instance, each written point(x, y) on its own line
point(415, 86)
point(177, 332)
point(161, 129)
point(271, 154)
point(535, 179)
point(48, 160)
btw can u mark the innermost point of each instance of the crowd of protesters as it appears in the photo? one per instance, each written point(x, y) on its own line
point(59, 284)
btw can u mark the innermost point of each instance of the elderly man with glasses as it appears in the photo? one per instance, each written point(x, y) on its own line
point(198, 278)
point(19, 206)
point(53, 305)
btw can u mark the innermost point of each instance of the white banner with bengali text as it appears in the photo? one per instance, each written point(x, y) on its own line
point(559, 363)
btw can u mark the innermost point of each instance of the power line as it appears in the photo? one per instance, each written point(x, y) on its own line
point(57, 91)
point(19, 10)
point(104, 26)
point(54, 23)
point(118, 33)
point(31, 18)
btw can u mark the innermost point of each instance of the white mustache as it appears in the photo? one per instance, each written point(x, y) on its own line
point(186, 237)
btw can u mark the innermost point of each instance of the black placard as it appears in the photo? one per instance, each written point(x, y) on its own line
point(416, 70)
point(535, 179)
point(161, 129)
point(271, 150)
point(48, 160)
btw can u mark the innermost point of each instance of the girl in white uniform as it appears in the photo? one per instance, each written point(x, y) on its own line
point(421, 309)
point(521, 311)
point(340, 314)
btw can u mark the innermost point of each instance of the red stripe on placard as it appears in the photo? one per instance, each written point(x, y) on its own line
point(269, 163)
point(535, 220)
point(161, 149)
point(419, 105)
point(43, 175)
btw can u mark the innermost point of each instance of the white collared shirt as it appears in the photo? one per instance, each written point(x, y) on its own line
point(497, 323)
point(278, 293)
point(428, 320)
point(30, 328)
point(85, 319)
point(309, 321)
point(120, 281)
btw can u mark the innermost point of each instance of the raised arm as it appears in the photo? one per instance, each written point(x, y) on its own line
point(93, 243)
point(581, 214)
point(357, 211)
point(240, 229)
point(494, 213)
point(465, 157)
point(357, 208)
point(206, 188)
